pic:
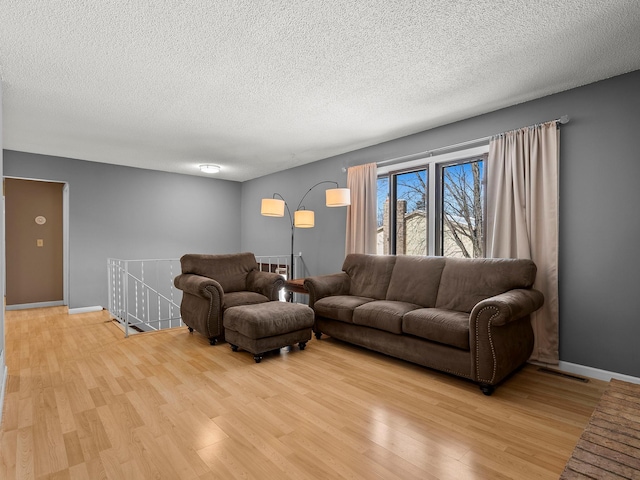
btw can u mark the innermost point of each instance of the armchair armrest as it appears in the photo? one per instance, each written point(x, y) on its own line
point(198, 285)
point(501, 336)
point(322, 286)
point(201, 306)
point(267, 283)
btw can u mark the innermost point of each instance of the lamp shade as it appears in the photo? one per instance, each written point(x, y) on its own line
point(338, 197)
point(272, 207)
point(304, 218)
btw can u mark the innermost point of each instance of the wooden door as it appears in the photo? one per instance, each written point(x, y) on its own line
point(34, 242)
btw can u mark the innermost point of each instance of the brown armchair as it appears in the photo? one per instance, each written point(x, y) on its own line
point(213, 283)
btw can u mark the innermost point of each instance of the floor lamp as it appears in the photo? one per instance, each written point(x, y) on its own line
point(303, 218)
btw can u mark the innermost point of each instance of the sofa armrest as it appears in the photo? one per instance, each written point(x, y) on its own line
point(511, 305)
point(322, 286)
point(501, 336)
point(267, 283)
point(198, 285)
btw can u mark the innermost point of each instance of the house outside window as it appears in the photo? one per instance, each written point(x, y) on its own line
point(433, 207)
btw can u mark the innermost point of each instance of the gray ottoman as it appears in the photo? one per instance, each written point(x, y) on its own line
point(268, 326)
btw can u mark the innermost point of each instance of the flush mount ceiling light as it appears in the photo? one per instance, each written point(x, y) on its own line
point(209, 168)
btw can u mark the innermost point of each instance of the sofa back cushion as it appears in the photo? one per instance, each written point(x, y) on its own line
point(415, 280)
point(230, 271)
point(467, 281)
point(369, 274)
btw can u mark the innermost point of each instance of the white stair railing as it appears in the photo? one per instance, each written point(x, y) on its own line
point(280, 264)
point(142, 295)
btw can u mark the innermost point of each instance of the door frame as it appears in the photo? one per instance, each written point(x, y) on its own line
point(65, 248)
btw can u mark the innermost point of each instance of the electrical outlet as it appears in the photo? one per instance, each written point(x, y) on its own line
point(40, 242)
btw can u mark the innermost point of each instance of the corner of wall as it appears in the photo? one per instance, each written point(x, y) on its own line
point(3, 386)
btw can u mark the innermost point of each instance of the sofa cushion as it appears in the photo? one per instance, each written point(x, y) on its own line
point(230, 271)
point(416, 279)
point(467, 281)
point(339, 307)
point(233, 299)
point(383, 315)
point(438, 325)
point(369, 274)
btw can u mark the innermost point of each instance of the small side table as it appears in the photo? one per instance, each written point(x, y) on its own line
point(295, 285)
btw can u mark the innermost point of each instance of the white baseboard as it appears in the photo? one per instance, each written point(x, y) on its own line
point(73, 311)
point(3, 386)
point(24, 306)
point(591, 372)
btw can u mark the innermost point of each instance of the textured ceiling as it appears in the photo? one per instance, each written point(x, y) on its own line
point(262, 86)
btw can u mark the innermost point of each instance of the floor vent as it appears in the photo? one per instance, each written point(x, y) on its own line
point(558, 373)
point(132, 328)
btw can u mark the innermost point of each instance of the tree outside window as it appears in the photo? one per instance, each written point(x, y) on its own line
point(463, 210)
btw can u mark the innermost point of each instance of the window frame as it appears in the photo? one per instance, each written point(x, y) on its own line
point(434, 166)
point(393, 190)
point(440, 166)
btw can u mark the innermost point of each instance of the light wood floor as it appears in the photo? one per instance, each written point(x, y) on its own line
point(83, 402)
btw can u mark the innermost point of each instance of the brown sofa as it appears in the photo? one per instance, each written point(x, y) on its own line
point(467, 317)
point(213, 283)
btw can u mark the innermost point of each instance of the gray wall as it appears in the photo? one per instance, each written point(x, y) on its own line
point(599, 222)
point(2, 268)
point(130, 213)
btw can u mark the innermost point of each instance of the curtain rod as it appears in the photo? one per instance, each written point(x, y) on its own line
point(564, 119)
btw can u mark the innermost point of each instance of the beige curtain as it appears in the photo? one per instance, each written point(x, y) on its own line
point(522, 217)
point(361, 214)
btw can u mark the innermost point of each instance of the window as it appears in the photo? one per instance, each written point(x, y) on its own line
point(463, 201)
point(436, 208)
